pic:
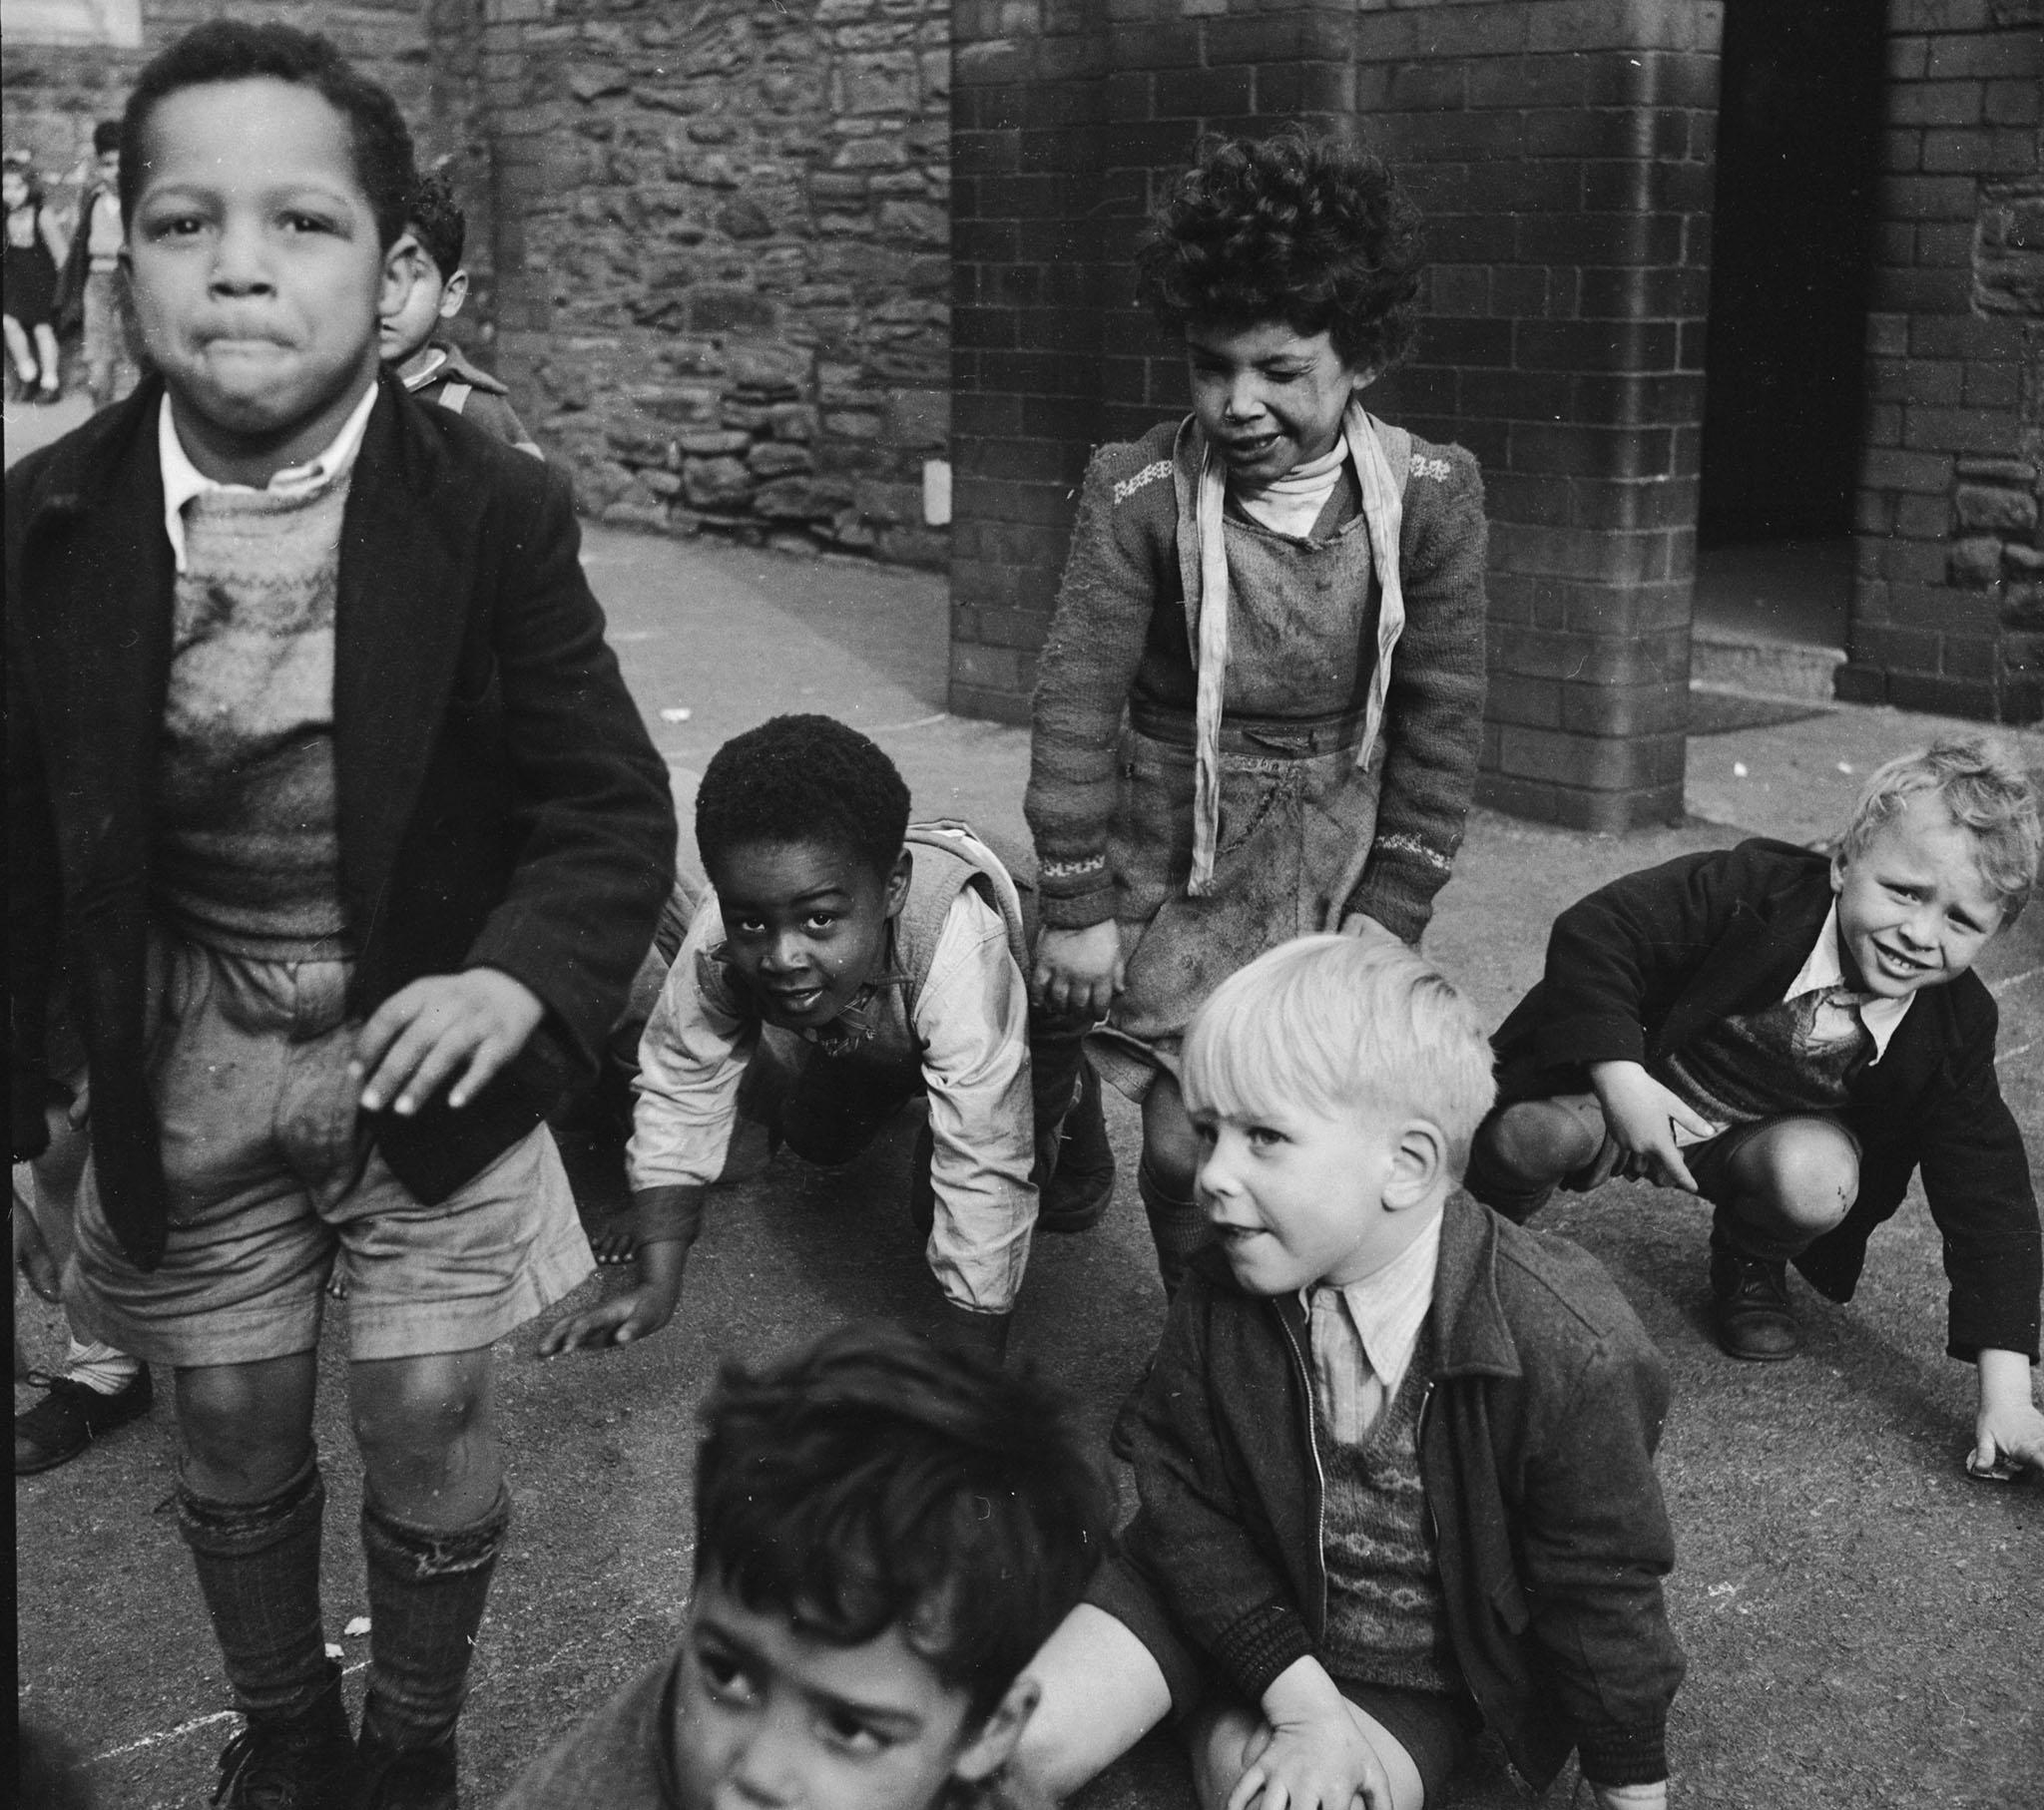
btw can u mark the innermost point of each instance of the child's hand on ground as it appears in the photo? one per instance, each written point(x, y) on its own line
point(1078, 971)
point(1642, 1115)
point(464, 1027)
point(1317, 1757)
point(32, 1259)
point(2008, 1431)
point(636, 1313)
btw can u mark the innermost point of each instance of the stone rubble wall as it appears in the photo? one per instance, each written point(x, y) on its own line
point(731, 314)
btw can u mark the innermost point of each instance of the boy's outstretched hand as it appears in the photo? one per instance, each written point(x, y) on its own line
point(2008, 1432)
point(636, 1313)
point(1642, 1115)
point(1317, 1757)
point(461, 1026)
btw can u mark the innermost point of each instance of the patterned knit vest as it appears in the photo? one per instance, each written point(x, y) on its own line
point(1387, 1618)
point(1797, 1056)
point(247, 852)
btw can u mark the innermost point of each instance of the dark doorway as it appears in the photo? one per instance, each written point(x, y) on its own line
point(1798, 135)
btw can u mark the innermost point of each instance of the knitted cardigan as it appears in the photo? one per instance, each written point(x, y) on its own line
point(1119, 630)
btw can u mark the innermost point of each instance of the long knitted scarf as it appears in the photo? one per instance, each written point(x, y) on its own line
point(1383, 510)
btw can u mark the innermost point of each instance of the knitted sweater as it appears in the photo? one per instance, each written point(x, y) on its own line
point(247, 843)
point(1388, 1623)
point(1120, 631)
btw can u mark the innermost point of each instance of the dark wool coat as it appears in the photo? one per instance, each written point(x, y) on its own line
point(500, 802)
point(1536, 1443)
point(1640, 966)
point(1120, 632)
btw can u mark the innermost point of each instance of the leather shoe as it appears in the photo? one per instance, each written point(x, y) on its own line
point(305, 1761)
point(1749, 1309)
point(405, 1778)
point(70, 1417)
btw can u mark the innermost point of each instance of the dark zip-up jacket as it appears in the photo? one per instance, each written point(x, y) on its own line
point(1536, 1445)
point(500, 802)
point(1642, 965)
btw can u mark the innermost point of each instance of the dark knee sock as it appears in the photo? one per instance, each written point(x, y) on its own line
point(427, 1588)
point(1177, 1226)
point(258, 1570)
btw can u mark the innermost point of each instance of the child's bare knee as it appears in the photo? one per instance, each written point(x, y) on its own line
point(1540, 1141)
point(1809, 1173)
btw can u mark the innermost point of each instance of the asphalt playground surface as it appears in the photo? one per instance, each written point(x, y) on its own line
point(1861, 1619)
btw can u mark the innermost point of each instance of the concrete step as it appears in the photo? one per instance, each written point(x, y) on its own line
point(1768, 669)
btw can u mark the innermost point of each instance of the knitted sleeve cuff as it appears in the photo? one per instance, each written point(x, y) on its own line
point(1075, 894)
point(1624, 1756)
point(1258, 1648)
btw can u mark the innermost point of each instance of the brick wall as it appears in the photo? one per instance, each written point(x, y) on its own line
point(725, 237)
point(1563, 156)
point(1948, 604)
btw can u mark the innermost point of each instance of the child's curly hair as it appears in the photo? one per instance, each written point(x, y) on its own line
point(1309, 231)
point(436, 221)
point(802, 778)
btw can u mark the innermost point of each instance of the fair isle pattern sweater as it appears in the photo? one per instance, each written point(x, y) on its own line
point(1387, 1620)
point(248, 849)
point(1120, 631)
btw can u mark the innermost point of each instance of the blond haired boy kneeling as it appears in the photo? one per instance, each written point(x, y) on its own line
point(1396, 1455)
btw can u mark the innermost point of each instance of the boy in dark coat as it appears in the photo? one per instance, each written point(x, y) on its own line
point(1395, 1458)
point(1793, 1036)
point(327, 798)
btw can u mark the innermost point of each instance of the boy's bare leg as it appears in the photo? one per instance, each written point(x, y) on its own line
point(434, 1516)
point(1789, 1182)
point(1165, 1180)
point(1523, 1151)
point(249, 1505)
point(1101, 1692)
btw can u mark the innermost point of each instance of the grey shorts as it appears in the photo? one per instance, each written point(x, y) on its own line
point(274, 1189)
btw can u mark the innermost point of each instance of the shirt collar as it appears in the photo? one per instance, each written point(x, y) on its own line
point(1388, 1306)
point(433, 368)
point(1824, 968)
point(183, 480)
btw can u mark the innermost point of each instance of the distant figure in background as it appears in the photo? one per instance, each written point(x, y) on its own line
point(433, 370)
point(35, 248)
point(92, 292)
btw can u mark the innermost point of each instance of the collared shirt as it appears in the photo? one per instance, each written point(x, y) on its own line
point(1363, 1335)
point(183, 480)
point(970, 1030)
point(1824, 969)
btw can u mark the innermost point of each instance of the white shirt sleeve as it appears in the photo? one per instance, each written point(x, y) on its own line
point(972, 1019)
point(691, 1058)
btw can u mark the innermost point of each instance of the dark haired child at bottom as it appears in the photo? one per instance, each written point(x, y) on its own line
point(1259, 700)
point(845, 963)
point(883, 1535)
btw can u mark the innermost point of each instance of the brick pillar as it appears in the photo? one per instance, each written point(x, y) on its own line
point(1948, 604)
point(1562, 156)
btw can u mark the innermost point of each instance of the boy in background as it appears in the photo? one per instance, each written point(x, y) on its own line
point(436, 286)
point(327, 801)
point(883, 1535)
point(1792, 1036)
point(90, 289)
point(1395, 1458)
point(845, 963)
